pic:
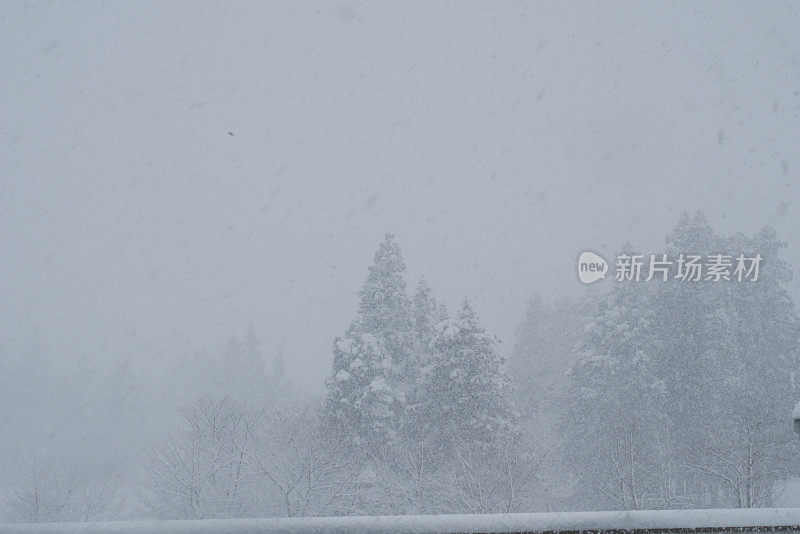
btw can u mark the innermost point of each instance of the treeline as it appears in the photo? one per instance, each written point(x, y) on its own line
point(676, 394)
point(417, 419)
point(637, 395)
point(72, 430)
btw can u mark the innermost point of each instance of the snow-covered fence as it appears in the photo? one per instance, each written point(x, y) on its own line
point(640, 521)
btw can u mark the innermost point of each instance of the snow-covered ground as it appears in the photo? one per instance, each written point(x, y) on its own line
point(787, 493)
point(566, 521)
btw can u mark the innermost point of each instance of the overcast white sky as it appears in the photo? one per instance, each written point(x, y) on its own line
point(497, 140)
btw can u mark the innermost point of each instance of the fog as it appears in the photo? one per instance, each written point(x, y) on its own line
point(171, 173)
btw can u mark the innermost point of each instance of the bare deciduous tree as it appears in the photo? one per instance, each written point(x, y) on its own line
point(480, 479)
point(305, 468)
point(202, 472)
point(58, 491)
point(43, 492)
point(749, 450)
point(96, 496)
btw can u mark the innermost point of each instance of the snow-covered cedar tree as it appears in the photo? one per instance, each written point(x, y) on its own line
point(362, 404)
point(369, 380)
point(464, 390)
point(385, 309)
point(424, 315)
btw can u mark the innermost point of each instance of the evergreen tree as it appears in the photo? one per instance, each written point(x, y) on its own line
point(425, 319)
point(369, 380)
point(385, 309)
point(683, 386)
point(609, 405)
point(239, 373)
point(362, 406)
point(424, 314)
point(441, 313)
point(464, 388)
point(545, 348)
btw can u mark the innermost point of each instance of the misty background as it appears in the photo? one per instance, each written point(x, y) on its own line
point(172, 173)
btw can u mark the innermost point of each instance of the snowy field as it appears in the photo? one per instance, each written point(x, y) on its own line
point(745, 520)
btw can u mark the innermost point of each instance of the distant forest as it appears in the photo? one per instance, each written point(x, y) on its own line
point(664, 394)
